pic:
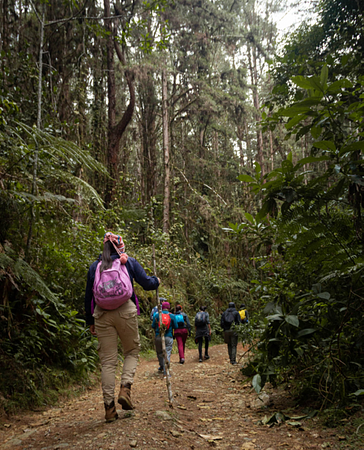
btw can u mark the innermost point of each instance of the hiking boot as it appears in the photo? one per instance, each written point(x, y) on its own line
point(233, 363)
point(110, 412)
point(207, 357)
point(182, 361)
point(125, 397)
point(160, 369)
point(200, 360)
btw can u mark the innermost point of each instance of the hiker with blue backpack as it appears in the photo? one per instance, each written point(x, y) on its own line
point(203, 331)
point(111, 312)
point(169, 322)
point(229, 319)
point(181, 332)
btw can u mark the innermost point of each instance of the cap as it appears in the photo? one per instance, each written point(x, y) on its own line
point(166, 305)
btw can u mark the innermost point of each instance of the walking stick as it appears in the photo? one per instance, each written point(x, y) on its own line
point(162, 332)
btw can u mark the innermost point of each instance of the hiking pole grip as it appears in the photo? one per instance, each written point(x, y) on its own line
point(161, 333)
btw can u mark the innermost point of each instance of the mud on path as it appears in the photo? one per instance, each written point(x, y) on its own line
point(213, 407)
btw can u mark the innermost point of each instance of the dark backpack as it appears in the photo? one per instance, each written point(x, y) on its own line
point(229, 318)
point(200, 319)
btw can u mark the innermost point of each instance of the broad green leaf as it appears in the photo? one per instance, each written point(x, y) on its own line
point(313, 159)
point(316, 132)
point(287, 166)
point(300, 107)
point(324, 295)
point(308, 83)
point(324, 76)
point(325, 145)
point(302, 82)
point(294, 121)
point(289, 156)
point(358, 392)
point(249, 217)
point(275, 317)
point(338, 85)
point(352, 147)
point(344, 59)
point(292, 320)
point(257, 383)
point(306, 332)
point(247, 178)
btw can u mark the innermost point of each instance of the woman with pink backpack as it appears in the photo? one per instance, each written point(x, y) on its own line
point(111, 312)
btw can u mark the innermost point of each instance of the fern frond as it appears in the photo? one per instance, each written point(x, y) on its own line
point(24, 273)
point(58, 148)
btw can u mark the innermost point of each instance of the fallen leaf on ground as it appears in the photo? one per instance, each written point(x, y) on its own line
point(175, 433)
point(248, 446)
point(209, 437)
point(294, 424)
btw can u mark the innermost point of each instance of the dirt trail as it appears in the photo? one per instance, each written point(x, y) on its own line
point(212, 408)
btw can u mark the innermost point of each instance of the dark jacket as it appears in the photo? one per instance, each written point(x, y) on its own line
point(203, 331)
point(135, 271)
point(225, 324)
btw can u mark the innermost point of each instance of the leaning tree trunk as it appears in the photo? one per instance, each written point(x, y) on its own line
point(115, 131)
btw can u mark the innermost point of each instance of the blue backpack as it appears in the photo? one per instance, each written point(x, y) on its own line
point(180, 320)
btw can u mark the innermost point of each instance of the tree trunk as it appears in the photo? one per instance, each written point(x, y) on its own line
point(166, 153)
point(115, 131)
point(254, 81)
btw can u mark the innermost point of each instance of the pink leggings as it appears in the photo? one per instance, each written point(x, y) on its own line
point(181, 337)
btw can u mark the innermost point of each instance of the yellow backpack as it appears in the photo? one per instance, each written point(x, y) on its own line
point(242, 315)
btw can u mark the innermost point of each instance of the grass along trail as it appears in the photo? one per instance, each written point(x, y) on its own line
point(214, 407)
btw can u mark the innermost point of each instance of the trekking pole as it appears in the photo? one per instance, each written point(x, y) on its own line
point(161, 332)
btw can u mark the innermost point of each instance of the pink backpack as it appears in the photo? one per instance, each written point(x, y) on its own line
point(112, 287)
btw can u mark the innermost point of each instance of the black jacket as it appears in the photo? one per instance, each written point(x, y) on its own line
point(135, 271)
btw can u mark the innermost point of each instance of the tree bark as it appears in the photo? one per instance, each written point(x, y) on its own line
point(115, 130)
point(254, 81)
point(166, 153)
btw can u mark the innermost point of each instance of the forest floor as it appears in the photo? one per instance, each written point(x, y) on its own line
point(213, 407)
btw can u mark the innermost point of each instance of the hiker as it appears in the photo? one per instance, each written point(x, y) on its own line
point(168, 320)
point(115, 317)
point(228, 318)
point(203, 331)
point(155, 309)
point(244, 316)
point(180, 333)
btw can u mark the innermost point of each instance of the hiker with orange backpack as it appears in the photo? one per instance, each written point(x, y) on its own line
point(169, 322)
point(110, 286)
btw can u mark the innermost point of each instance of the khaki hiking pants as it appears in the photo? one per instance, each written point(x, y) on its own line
point(122, 322)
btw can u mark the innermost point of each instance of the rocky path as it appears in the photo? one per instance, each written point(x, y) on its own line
point(213, 407)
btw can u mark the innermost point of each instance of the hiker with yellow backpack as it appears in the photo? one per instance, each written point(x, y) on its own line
point(244, 316)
